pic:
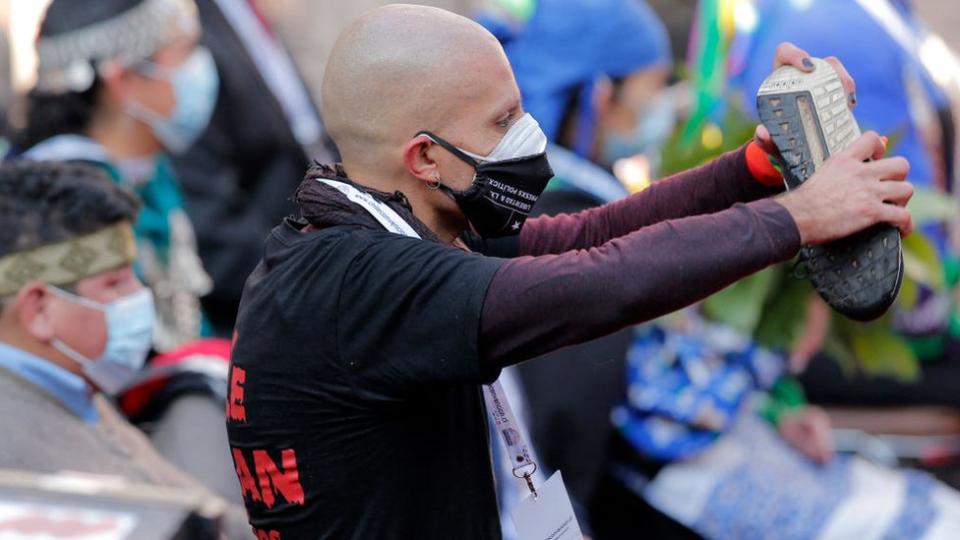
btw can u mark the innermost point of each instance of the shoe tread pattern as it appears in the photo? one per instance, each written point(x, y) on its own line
point(859, 276)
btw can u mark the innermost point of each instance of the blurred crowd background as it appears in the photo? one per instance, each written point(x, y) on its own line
point(310, 27)
point(756, 414)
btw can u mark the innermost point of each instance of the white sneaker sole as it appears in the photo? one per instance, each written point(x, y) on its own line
point(809, 120)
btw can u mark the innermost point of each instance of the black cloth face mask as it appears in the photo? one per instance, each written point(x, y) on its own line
point(503, 191)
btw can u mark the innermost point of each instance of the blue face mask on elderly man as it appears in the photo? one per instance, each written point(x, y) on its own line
point(129, 336)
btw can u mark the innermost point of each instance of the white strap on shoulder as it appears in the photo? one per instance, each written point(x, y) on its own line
point(387, 217)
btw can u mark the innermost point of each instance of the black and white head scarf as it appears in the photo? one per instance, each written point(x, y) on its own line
point(67, 61)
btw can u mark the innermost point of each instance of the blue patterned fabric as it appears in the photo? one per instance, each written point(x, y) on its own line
point(749, 503)
point(728, 474)
point(752, 485)
point(918, 511)
point(686, 385)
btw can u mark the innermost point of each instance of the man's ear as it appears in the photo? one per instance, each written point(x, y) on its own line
point(33, 311)
point(417, 160)
point(113, 79)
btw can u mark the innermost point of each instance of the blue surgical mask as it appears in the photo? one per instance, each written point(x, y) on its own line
point(129, 336)
point(654, 125)
point(195, 84)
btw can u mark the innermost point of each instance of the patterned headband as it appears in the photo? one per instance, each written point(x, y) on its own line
point(66, 61)
point(69, 261)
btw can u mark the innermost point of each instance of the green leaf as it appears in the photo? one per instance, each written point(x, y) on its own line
point(679, 155)
point(921, 261)
point(882, 352)
point(740, 305)
point(909, 294)
point(521, 9)
point(873, 349)
point(785, 311)
point(839, 350)
point(930, 205)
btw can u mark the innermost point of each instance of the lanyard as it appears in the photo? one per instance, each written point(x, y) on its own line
point(496, 400)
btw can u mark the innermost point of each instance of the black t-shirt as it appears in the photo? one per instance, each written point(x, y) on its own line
point(355, 409)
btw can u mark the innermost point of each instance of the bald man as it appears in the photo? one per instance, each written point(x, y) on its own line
point(365, 335)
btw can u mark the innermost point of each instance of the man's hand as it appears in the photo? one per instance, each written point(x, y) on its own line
point(848, 194)
point(808, 430)
point(789, 54)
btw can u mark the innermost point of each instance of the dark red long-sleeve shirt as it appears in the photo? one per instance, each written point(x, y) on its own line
point(584, 275)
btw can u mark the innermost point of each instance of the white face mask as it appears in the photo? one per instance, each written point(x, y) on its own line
point(524, 138)
point(129, 336)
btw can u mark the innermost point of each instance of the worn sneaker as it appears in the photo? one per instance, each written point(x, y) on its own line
point(808, 118)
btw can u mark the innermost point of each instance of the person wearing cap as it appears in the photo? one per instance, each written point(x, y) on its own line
point(605, 99)
point(75, 323)
point(374, 328)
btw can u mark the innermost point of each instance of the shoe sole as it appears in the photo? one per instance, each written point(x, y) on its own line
point(809, 120)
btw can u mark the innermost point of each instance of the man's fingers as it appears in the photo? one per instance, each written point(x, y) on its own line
point(866, 147)
point(880, 153)
point(894, 168)
point(897, 216)
point(789, 54)
point(762, 133)
point(907, 230)
point(765, 141)
point(849, 85)
point(898, 193)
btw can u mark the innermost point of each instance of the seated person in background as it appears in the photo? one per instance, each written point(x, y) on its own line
point(119, 83)
point(74, 322)
point(699, 441)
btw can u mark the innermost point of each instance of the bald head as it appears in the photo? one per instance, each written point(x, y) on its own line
point(400, 69)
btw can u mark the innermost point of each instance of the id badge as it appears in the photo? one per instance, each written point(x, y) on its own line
point(549, 515)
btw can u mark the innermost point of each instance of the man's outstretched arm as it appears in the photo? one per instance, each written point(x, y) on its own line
point(710, 188)
point(537, 304)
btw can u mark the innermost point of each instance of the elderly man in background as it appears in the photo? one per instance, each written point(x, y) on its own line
point(74, 322)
